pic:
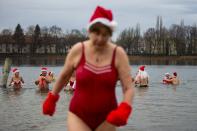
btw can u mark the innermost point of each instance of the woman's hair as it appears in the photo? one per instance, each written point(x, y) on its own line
point(175, 74)
point(96, 28)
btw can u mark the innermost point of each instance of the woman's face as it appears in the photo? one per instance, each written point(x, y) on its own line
point(167, 76)
point(17, 74)
point(44, 73)
point(100, 35)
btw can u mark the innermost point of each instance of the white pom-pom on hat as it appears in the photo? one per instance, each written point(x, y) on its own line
point(44, 69)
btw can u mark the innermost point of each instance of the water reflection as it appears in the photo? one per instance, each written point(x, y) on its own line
point(11, 92)
point(141, 91)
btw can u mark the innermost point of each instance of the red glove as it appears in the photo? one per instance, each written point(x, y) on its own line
point(49, 104)
point(119, 116)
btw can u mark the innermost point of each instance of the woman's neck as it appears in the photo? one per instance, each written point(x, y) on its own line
point(99, 48)
point(16, 76)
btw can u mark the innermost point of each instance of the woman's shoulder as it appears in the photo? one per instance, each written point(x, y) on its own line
point(75, 54)
point(119, 50)
point(77, 48)
point(120, 55)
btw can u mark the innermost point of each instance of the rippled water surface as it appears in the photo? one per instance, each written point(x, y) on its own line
point(157, 108)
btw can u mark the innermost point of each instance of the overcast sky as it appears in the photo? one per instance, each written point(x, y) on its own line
point(75, 14)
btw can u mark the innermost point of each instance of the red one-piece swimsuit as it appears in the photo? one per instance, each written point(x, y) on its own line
point(94, 97)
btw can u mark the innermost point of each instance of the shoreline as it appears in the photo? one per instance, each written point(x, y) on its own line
point(54, 59)
point(164, 60)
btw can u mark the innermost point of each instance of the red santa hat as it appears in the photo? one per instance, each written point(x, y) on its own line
point(142, 68)
point(103, 16)
point(15, 70)
point(44, 69)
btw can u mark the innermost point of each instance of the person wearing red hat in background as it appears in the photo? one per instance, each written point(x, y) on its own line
point(72, 82)
point(167, 79)
point(174, 80)
point(51, 77)
point(99, 64)
point(16, 80)
point(43, 82)
point(142, 77)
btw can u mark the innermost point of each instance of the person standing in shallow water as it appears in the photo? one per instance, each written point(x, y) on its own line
point(167, 79)
point(43, 82)
point(51, 77)
point(142, 77)
point(17, 80)
point(99, 64)
point(175, 79)
point(72, 82)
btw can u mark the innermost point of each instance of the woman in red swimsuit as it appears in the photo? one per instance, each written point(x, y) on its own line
point(16, 81)
point(99, 64)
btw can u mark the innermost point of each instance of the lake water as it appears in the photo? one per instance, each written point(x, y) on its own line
point(157, 108)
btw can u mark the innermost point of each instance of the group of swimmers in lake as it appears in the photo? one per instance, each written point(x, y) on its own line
point(142, 78)
point(171, 79)
point(43, 81)
point(46, 77)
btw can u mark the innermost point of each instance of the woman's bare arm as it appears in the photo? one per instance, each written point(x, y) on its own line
point(11, 81)
point(22, 80)
point(71, 62)
point(123, 68)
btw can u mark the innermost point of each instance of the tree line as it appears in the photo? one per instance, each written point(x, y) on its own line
point(178, 39)
point(36, 40)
